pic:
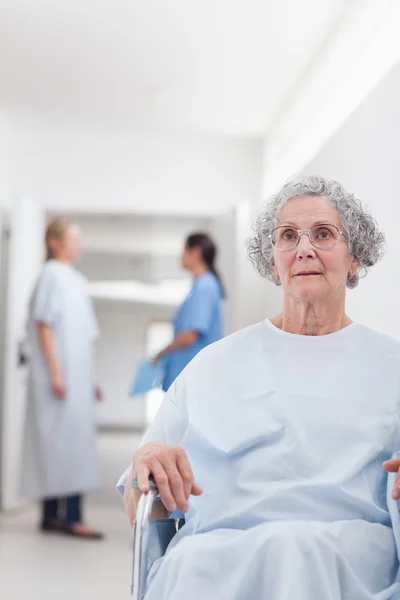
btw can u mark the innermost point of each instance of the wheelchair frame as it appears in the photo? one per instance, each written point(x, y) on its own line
point(141, 537)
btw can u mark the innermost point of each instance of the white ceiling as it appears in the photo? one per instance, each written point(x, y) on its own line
point(220, 66)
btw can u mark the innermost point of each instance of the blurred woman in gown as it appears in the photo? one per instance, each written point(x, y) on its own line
point(60, 454)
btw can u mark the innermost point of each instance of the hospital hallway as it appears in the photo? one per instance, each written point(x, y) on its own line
point(53, 567)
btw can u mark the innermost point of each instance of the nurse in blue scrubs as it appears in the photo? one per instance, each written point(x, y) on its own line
point(198, 321)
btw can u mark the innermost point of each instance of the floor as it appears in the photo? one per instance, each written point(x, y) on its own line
point(37, 566)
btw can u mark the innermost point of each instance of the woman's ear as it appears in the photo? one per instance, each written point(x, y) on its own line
point(197, 254)
point(354, 266)
point(51, 243)
point(275, 271)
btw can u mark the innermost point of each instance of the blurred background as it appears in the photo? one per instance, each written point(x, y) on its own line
point(145, 121)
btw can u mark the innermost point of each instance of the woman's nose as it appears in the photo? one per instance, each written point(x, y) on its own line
point(304, 248)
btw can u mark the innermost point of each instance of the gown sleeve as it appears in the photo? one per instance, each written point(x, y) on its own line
point(46, 306)
point(168, 427)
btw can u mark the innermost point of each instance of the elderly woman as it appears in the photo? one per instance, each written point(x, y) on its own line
point(285, 426)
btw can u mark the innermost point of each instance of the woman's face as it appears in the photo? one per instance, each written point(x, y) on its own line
point(190, 257)
point(68, 247)
point(308, 273)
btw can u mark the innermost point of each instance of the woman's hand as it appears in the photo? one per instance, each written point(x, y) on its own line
point(98, 392)
point(393, 466)
point(184, 339)
point(156, 359)
point(47, 343)
point(58, 386)
point(172, 473)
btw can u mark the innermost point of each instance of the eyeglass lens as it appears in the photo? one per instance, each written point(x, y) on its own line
point(322, 236)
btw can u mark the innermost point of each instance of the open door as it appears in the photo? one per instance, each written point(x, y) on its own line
point(21, 259)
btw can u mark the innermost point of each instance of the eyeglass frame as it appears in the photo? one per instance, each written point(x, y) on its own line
point(301, 232)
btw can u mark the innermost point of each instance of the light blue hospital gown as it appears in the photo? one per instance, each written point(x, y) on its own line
point(60, 439)
point(202, 312)
point(286, 434)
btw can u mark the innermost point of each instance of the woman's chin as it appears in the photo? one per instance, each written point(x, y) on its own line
point(308, 289)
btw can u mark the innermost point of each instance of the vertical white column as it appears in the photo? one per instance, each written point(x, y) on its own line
point(23, 262)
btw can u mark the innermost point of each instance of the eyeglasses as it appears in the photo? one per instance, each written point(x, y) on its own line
point(322, 236)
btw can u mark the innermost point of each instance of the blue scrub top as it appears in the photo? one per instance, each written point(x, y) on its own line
point(201, 312)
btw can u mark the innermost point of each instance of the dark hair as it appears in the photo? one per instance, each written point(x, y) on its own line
point(208, 253)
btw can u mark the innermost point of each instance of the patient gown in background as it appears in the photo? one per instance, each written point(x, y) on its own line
point(286, 434)
point(60, 440)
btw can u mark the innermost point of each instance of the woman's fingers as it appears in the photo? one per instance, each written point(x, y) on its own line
point(177, 489)
point(189, 484)
point(196, 490)
point(150, 464)
point(162, 481)
point(143, 474)
point(186, 473)
point(168, 460)
point(59, 390)
point(172, 461)
point(393, 466)
point(396, 489)
point(173, 475)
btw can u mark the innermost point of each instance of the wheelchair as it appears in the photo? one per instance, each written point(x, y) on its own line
point(160, 532)
point(145, 530)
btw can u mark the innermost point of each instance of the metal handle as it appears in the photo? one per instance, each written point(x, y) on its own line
point(135, 483)
point(141, 539)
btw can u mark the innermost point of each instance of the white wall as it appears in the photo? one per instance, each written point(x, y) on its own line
point(82, 170)
point(121, 345)
point(4, 155)
point(248, 295)
point(23, 255)
point(364, 156)
point(72, 168)
point(141, 247)
point(362, 47)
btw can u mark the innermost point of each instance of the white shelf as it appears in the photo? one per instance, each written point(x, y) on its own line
point(167, 293)
point(133, 247)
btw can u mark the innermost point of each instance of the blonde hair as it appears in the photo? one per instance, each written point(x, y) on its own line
point(55, 230)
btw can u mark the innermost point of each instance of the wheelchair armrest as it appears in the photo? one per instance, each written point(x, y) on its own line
point(164, 529)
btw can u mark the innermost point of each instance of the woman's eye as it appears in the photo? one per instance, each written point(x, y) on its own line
point(324, 234)
point(289, 235)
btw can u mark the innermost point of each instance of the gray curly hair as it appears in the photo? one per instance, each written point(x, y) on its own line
point(366, 242)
